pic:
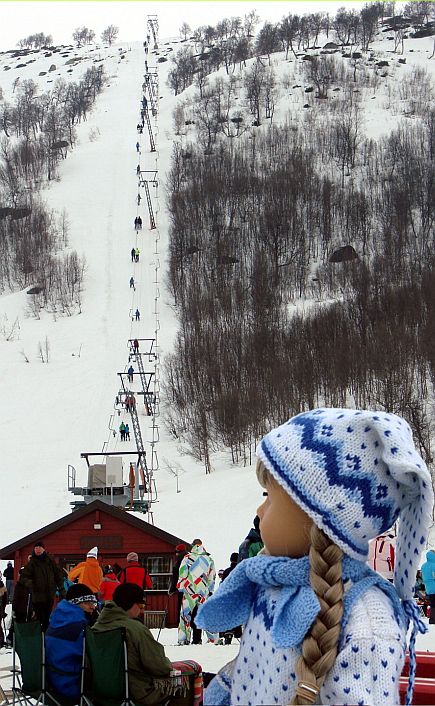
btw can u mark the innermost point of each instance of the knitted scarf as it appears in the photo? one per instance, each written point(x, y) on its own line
point(298, 604)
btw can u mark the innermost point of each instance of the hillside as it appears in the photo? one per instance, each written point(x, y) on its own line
point(59, 409)
point(55, 410)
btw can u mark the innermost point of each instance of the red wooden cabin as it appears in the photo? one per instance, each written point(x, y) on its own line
point(116, 533)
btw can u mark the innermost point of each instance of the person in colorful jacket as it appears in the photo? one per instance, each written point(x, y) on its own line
point(196, 578)
point(64, 640)
point(88, 572)
point(428, 576)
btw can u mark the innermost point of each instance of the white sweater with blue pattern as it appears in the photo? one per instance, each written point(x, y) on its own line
point(366, 671)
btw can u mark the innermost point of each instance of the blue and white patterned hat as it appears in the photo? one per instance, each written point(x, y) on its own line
point(355, 473)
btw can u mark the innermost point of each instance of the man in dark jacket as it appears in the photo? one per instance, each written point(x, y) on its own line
point(44, 577)
point(234, 558)
point(237, 631)
point(9, 576)
point(180, 553)
point(253, 542)
point(22, 608)
point(3, 603)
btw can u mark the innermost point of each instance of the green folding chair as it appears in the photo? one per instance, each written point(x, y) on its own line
point(29, 679)
point(106, 657)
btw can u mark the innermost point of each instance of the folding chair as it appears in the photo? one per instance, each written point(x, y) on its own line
point(106, 656)
point(5, 693)
point(29, 680)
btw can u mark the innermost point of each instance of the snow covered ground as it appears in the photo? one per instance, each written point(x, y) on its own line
point(54, 411)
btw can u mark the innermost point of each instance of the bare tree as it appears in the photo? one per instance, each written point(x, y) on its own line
point(322, 72)
point(268, 40)
point(250, 21)
point(185, 30)
point(288, 31)
point(110, 34)
point(84, 35)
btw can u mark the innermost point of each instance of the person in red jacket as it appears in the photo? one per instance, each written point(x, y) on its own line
point(135, 573)
point(108, 584)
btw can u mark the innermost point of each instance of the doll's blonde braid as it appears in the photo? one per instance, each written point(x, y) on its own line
point(319, 648)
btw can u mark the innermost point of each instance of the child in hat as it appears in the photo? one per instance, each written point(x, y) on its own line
point(320, 625)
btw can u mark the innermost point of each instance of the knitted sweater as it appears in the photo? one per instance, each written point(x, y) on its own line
point(371, 649)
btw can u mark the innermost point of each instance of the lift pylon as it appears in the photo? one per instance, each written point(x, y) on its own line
point(153, 26)
point(150, 131)
point(151, 85)
point(144, 181)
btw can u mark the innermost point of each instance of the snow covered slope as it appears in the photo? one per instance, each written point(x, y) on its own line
point(54, 411)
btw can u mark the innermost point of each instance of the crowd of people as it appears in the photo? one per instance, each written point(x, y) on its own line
point(105, 599)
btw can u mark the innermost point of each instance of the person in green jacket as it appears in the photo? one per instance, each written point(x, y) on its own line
point(147, 661)
point(43, 577)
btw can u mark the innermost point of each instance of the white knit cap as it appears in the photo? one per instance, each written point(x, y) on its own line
point(93, 553)
point(355, 473)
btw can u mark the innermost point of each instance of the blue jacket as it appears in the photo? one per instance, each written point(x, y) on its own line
point(428, 573)
point(64, 648)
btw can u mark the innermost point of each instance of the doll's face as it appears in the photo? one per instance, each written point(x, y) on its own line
point(284, 527)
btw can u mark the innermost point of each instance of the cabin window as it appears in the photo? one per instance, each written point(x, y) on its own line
point(160, 570)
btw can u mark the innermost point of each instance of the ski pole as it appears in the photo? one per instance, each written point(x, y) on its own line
point(164, 614)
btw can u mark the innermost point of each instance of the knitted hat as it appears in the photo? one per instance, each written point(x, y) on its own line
point(40, 543)
point(132, 556)
point(355, 473)
point(80, 593)
point(92, 553)
point(180, 548)
point(127, 594)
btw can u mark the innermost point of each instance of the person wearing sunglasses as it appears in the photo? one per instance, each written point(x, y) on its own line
point(149, 670)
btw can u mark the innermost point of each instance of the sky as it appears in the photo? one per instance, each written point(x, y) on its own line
point(19, 19)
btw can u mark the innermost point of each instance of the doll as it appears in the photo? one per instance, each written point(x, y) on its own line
point(320, 625)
